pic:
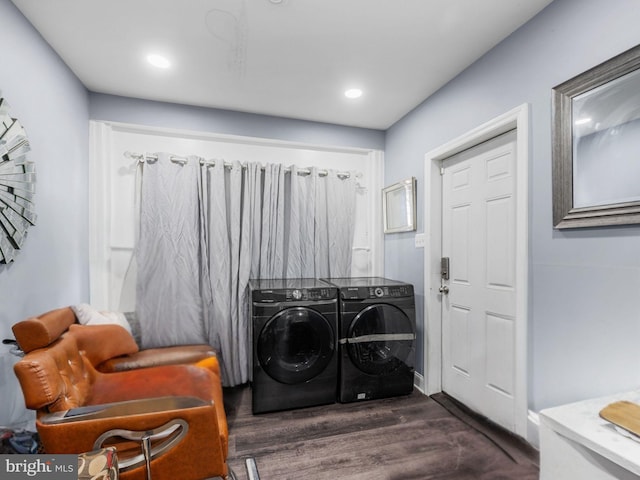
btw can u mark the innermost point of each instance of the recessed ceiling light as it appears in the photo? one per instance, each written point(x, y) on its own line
point(583, 121)
point(158, 61)
point(353, 93)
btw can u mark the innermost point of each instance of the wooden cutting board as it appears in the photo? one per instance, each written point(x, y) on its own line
point(624, 414)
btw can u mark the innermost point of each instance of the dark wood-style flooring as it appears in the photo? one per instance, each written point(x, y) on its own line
point(410, 437)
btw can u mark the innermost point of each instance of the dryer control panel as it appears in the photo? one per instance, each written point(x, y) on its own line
point(294, 295)
point(360, 293)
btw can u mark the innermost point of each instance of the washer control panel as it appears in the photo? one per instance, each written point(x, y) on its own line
point(360, 293)
point(294, 295)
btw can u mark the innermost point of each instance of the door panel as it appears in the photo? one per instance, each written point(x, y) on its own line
point(500, 226)
point(459, 340)
point(478, 235)
point(460, 243)
point(500, 375)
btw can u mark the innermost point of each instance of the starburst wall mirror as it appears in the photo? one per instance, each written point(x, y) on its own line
point(17, 185)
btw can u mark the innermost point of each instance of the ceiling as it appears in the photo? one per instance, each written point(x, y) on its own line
point(290, 58)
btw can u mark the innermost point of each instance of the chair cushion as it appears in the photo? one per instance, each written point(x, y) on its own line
point(102, 342)
point(153, 357)
point(87, 315)
point(38, 332)
point(55, 378)
point(163, 381)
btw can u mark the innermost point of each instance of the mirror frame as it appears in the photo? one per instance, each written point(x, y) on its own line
point(409, 198)
point(17, 185)
point(565, 215)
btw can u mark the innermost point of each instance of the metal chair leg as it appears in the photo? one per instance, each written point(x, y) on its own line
point(146, 451)
point(252, 469)
point(231, 475)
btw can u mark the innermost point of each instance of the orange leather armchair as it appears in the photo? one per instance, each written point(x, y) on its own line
point(168, 420)
point(40, 331)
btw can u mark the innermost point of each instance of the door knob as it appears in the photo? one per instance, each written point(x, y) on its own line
point(444, 290)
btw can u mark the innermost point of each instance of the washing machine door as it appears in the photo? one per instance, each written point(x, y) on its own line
point(381, 340)
point(296, 345)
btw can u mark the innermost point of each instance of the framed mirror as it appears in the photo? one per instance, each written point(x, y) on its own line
point(17, 185)
point(399, 206)
point(596, 140)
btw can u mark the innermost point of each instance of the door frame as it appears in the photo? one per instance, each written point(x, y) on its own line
point(517, 118)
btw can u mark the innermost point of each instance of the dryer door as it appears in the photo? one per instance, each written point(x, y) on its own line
point(295, 345)
point(381, 339)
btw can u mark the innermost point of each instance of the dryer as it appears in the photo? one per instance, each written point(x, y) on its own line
point(376, 339)
point(294, 337)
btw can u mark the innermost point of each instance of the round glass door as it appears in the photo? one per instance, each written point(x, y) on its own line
point(296, 345)
point(381, 339)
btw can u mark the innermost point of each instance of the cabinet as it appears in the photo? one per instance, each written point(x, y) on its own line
point(575, 443)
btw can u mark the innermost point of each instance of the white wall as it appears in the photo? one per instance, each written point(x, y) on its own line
point(51, 269)
point(584, 320)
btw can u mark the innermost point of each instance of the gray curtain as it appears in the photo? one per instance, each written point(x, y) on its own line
point(231, 220)
point(341, 211)
point(246, 221)
point(272, 227)
point(168, 295)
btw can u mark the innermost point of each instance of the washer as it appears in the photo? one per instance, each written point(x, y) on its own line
point(376, 339)
point(294, 339)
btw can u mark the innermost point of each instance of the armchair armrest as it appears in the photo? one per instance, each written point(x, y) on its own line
point(121, 409)
point(152, 357)
point(184, 428)
point(153, 442)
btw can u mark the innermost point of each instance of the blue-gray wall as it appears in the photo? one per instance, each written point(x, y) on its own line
point(584, 291)
point(170, 115)
point(52, 268)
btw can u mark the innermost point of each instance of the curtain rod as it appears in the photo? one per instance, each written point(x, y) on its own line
point(144, 157)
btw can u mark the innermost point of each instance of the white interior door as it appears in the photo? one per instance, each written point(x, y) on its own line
point(479, 310)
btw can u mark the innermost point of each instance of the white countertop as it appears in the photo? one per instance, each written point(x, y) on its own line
point(581, 423)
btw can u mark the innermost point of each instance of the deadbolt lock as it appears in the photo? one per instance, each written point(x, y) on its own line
point(444, 268)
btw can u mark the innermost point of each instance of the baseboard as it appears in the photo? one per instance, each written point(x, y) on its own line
point(533, 429)
point(418, 382)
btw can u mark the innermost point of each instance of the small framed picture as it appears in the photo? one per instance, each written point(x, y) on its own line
point(399, 206)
